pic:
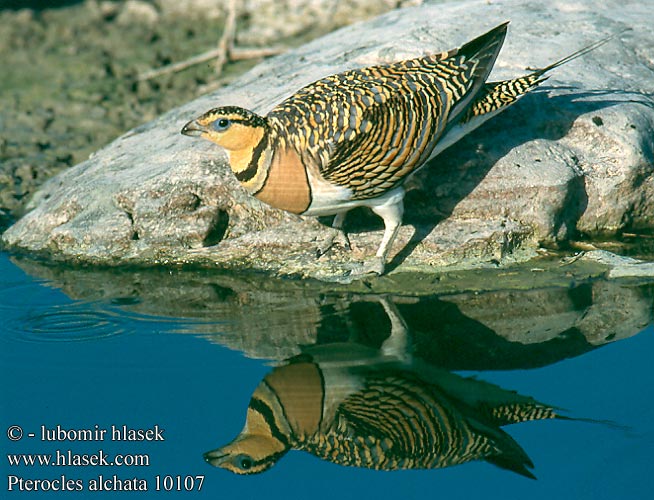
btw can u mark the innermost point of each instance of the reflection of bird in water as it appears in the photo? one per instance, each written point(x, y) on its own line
point(378, 418)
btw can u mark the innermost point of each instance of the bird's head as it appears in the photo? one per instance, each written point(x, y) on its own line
point(235, 129)
point(261, 443)
point(247, 454)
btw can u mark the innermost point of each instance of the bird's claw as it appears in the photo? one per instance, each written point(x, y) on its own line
point(372, 268)
point(335, 237)
point(358, 272)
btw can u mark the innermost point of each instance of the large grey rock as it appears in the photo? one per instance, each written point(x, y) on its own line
point(575, 156)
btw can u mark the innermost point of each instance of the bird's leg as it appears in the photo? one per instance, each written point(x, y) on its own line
point(397, 345)
point(392, 214)
point(335, 235)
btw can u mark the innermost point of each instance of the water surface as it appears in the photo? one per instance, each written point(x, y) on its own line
point(182, 353)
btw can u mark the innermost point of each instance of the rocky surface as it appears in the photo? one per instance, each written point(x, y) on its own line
point(73, 82)
point(575, 157)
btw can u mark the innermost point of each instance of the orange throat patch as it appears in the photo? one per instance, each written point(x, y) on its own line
point(287, 185)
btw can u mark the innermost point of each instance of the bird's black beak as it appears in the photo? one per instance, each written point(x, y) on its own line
point(215, 457)
point(194, 129)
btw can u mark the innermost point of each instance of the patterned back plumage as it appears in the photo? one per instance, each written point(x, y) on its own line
point(380, 419)
point(369, 128)
point(399, 422)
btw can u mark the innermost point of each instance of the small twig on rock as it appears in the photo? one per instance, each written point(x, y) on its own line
point(566, 261)
point(243, 53)
point(226, 42)
point(637, 235)
point(224, 53)
point(182, 65)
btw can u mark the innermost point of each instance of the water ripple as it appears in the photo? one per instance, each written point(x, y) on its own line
point(36, 311)
point(69, 323)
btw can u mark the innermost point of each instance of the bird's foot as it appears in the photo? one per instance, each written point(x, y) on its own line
point(334, 237)
point(370, 268)
point(358, 271)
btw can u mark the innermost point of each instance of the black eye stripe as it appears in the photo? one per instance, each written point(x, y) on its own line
point(232, 120)
point(268, 415)
point(235, 114)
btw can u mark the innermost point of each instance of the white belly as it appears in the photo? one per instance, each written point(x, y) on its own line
point(328, 199)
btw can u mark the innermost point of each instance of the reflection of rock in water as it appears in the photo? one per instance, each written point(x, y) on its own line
point(379, 417)
point(279, 319)
point(600, 312)
point(621, 312)
point(491, 330)
point(521, 329)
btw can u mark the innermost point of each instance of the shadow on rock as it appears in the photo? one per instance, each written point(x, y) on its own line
point(455, 173)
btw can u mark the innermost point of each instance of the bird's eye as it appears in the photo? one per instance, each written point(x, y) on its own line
point(221, 124)
point(246, 463)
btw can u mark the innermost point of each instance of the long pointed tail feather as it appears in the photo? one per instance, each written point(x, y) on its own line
point(577, 54)
point(495, 96)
